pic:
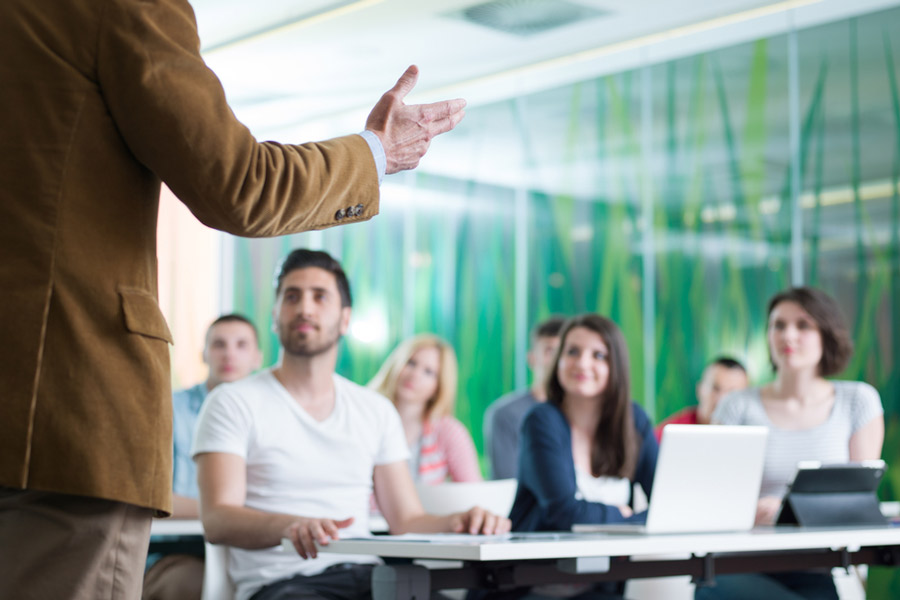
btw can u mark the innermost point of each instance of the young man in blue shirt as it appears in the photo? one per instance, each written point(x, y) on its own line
point(232, 352)
point(504, 417)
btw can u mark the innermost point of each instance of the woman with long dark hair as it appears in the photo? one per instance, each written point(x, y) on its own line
point(582, 451)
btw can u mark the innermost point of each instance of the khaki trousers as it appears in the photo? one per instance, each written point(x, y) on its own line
point(61, 547)
point(174, 577)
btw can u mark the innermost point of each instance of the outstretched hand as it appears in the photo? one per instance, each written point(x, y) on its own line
point(407, 131)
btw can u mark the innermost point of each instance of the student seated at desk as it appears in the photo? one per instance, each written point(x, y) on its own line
point(720, 377)
point(503, 418)
point(419, 377)
point(582, 451)
point(296, 450)
point(809, 418)
point(231, 350)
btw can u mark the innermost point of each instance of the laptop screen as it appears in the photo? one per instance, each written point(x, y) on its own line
point(707, 478)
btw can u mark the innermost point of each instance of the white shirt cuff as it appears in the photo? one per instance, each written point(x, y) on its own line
point(377, 152)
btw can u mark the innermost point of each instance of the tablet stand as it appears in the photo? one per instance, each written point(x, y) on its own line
point(825, 495)
point(818, 509)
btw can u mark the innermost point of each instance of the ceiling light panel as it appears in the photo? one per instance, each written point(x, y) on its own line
point(527, 17)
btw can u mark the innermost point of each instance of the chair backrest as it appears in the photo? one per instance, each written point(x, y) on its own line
point(444, 498)
point(217, 585)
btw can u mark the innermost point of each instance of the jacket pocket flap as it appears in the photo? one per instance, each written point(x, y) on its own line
point(142, 314)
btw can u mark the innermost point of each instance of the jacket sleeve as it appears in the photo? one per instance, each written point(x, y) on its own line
point(646, 464)
point(171, 112)
point(546, 468)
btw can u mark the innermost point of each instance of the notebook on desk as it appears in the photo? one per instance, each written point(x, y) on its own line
point(707, 479)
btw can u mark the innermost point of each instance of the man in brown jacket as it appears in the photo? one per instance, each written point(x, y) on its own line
point(99, 101)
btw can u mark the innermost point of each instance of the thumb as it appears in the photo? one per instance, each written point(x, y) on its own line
point(345, 523)
point(406, 82)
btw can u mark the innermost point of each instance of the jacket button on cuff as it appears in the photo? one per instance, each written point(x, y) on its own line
point(339, 215)
point(359, 209)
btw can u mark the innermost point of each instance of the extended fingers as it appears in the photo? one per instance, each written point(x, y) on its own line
point(443, 109)
point(494, 524)
point(476, 520)
point(306, 533)
point(300, 537)
point(444, 125)
point(439, 117)
point(293, 533)
point(487, 523)
point(316, 531)
point(307, 540)
point(330, 531)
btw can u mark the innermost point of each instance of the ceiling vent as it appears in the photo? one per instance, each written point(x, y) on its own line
point(527, 17)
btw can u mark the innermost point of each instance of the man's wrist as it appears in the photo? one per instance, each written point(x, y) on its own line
point(378, 154)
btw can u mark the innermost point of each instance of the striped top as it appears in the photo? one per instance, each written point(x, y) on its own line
point(444, 449)
point(855, 405)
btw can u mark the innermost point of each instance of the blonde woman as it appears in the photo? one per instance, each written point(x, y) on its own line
point(419, 377)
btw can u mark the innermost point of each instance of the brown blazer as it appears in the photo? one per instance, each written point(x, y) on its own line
point(99, 100)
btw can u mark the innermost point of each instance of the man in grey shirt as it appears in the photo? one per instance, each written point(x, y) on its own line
point(503, 417)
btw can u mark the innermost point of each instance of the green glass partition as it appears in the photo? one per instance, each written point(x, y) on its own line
point(675, 198)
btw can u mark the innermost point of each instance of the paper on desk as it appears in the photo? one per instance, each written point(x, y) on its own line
point(444, 538)
point(435, 538)
point(468, 538)
point(457, 538)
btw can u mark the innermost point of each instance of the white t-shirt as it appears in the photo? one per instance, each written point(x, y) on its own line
point(607, 490)
point(855, 405)
point(298, 465)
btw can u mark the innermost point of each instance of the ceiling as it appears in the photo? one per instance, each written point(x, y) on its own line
point(286, 63)
point(311, 69)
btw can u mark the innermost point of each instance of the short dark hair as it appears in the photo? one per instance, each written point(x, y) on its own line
point(303, 258)
point(837, 347)
point(233, 318)
point(549, 327)
point(727, 362)
point(615, 445)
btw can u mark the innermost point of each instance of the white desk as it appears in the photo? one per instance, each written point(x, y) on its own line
point(176, 527)
point(176, 536)
point(574, 545)
point(170, 526)
point(493, 563)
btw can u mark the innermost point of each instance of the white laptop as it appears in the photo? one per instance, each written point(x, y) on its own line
point(707, 479)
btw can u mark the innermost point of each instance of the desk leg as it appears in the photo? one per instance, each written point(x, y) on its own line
point(401, 582)
point(707, 575)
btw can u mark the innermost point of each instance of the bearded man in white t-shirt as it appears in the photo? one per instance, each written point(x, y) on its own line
point(295, 452)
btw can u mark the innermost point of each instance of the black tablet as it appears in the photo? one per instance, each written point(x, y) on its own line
point(834, 494)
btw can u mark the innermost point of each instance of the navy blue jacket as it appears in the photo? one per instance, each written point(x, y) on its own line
point(545, 499)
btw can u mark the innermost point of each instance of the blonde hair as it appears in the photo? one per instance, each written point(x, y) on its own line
point(385, 381)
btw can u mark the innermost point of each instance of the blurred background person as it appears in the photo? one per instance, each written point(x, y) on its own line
point(231, 351)
point(420, 378)
point(504, 416)
point(720, 377)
